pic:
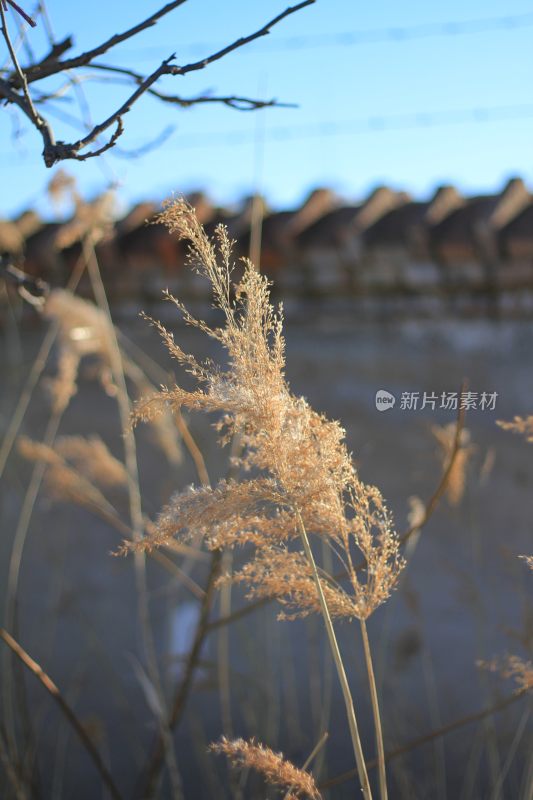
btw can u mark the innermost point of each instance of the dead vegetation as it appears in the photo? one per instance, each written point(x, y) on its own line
point(307, 531)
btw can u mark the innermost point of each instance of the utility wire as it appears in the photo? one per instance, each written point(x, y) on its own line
point(398, 34)
point(376, 124)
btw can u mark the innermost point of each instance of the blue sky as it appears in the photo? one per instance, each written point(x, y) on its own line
point(337, 136)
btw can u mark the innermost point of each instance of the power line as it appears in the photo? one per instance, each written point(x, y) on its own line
point(352, 127)
point(397, 34)
point(376, 124)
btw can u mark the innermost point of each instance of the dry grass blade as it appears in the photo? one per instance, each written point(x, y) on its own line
point(469, 719)
point(448, 442)
point(15, 563)
point(375, 712)
point(180, 574)
point(53, 690)
point(343, 680)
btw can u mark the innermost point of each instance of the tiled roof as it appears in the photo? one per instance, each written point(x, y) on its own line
point(444, 227)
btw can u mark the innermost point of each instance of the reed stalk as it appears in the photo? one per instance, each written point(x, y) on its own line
point(375, 711)
point(348, 700)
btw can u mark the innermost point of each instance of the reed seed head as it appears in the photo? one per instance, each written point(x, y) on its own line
point(276, 770)
point(298, 466)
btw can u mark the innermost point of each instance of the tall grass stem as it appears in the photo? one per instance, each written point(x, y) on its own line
point(348, 700)
point(375, 711)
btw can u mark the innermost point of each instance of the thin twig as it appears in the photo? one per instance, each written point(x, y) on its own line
point(232, 101)
point(53, 690)
point(194, 451)
point(429, 737)
point(240, 613)
point(433, 502)
point(58, 48)
point(24, 101)
point(22, 13)
point(264, 31)
point(20, 74)
point(45, 68)
point(180, 574)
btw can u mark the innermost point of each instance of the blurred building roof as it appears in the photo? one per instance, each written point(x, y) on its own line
point(334, 228)
point(446, 227)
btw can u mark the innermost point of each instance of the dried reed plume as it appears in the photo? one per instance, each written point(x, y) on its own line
point(301, 471)
point(521, 425)
point(94, 219)
point(512, 667)
point(92, 459)
point(83, 330)
point(302, 479)
point(276, 770)
point(445, 436)
point(76, 467)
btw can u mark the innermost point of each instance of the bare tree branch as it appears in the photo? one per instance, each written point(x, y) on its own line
point(15, 89)
point(264, 31)
point(57, 49)
point(147, 147)
point(20, 11)
point(46, 67)
point(40, 123)
point(24, 101)
point(233, 101)
point(30, 108)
